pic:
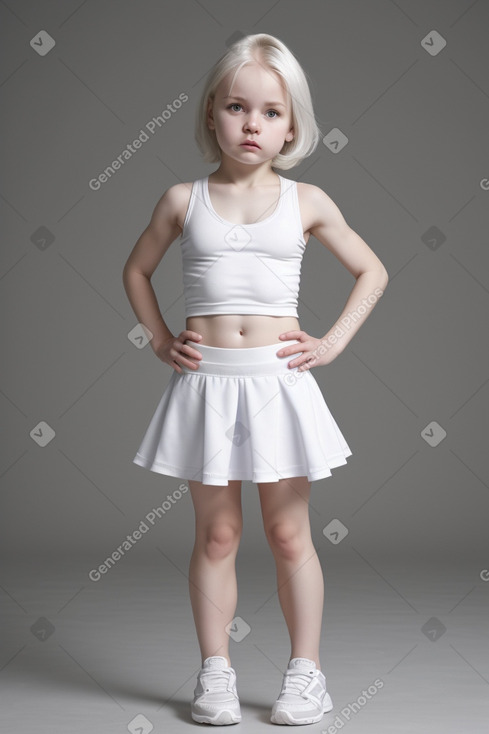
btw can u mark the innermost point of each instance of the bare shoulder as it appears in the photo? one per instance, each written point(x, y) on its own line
point(163, 229)
point(317, 206)
point(173, 204)
point(177, 199)
point(329, 227)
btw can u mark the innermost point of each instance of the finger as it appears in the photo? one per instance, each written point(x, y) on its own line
point(299, 361)
point(191, 351)
point(292, 349)
point(307, 364)
point(291, 335)
point(194, 335)
point(188, 363)
point(182, 359)
point(287, 352)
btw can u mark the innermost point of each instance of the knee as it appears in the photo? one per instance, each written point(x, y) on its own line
point(221, 540)
point(286, 539)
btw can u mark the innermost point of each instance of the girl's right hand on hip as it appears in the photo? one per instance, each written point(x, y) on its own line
point(175, 352)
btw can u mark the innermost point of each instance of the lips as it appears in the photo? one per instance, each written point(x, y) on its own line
point(250, 143)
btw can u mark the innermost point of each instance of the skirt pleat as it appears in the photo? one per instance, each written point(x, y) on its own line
point(261, 427)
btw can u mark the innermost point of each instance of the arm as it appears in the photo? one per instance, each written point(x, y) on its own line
point(162, 230)
point(143, 261)
point(331, 229)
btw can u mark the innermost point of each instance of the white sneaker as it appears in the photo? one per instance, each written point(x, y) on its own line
point(303, 698)
point(215, 697)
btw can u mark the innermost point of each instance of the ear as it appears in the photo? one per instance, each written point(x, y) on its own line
point(290, 135)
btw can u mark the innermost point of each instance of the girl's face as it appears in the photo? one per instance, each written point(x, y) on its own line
point(257, 108)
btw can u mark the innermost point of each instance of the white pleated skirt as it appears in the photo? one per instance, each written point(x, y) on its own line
point(243, 414)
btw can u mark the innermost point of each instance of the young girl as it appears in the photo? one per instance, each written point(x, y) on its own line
point(242, 403)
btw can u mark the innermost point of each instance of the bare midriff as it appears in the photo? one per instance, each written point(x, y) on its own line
point(241, 331)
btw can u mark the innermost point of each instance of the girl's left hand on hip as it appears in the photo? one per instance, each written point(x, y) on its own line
point(315, 352)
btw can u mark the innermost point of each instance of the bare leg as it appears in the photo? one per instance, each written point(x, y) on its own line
point(212, 572)
point(300, 583)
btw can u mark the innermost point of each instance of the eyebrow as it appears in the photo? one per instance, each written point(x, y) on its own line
point(243, 99)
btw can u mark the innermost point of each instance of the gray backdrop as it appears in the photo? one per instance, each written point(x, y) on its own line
point(407, 84)
point(412, 181)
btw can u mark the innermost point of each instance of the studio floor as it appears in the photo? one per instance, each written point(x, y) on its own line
point(120, 653)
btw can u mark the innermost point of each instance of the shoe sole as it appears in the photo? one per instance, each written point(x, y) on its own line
point(223, 718)
point(284, 717)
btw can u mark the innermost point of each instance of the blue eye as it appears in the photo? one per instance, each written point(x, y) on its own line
point(236, 104)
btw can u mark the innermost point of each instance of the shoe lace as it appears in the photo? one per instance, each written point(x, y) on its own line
point(295, 681)
point(218, 680)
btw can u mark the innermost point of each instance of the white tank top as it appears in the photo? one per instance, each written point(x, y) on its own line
point(242, 268)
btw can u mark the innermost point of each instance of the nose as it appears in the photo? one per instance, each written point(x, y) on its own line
point(251, 123)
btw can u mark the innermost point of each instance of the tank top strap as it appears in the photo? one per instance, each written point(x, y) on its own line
point(287, 188)
point(196, 195)
point(291, 205)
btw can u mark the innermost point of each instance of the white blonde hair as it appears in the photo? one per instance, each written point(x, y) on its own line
point(271, 53)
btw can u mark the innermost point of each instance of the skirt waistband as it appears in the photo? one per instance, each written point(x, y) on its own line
point(242, 361)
